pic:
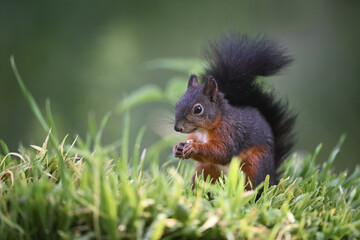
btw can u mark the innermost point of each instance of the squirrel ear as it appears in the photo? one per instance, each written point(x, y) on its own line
point(210, 88)
point(193, 81)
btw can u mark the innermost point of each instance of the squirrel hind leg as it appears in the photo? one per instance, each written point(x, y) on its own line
point(257, 163)
point(211, 170)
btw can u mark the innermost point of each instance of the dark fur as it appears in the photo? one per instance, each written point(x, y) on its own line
point(235, 61)
point(238, 117)
point(231, 131)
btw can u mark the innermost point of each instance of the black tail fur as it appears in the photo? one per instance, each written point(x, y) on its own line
point(235, 61)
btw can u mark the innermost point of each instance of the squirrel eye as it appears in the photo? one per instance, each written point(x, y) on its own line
point(198, 109)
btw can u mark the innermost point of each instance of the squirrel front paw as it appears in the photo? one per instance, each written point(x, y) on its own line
point(188, 150)
point(178, 150)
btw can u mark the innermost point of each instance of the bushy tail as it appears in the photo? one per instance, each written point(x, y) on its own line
point(235, 61)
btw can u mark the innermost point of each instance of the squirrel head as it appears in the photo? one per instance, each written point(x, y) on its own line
point(199, 108)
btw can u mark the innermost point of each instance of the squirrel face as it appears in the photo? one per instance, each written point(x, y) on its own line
point(198, 108)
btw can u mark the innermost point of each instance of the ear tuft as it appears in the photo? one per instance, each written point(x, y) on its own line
point(210, 88)
point(193, 81)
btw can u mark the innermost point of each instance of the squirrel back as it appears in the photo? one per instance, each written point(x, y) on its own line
point(235, 61)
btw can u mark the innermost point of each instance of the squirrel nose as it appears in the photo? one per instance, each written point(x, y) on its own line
point(178, 129)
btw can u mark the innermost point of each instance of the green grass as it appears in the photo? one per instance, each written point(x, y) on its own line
point(77, 188)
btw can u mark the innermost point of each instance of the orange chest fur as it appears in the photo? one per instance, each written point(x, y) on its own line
point(250, 159)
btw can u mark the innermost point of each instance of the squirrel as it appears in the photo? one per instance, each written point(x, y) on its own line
point(231, 115)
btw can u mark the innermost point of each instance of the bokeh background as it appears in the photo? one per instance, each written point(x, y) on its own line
point(86, 56)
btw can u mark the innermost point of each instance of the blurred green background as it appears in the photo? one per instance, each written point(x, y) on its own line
point(86, 56)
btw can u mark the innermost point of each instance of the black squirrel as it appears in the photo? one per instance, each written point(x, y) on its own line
point(230, 114)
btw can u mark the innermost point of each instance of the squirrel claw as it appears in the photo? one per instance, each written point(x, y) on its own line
point(178, 154)
point(178, 150)
point(188, 150)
